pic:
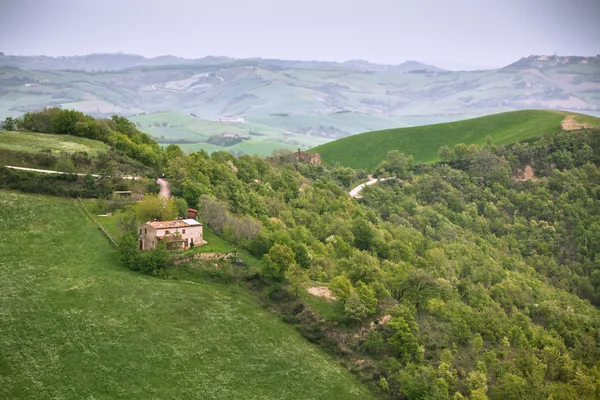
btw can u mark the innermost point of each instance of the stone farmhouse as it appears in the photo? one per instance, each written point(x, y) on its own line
point(311, 158)
point(180, 234)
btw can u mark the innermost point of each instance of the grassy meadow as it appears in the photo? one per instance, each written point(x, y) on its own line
point(33, 142)
point(74, 324)
point(367, 150)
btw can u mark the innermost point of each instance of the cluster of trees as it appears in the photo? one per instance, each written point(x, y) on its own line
point(488, 283)
point(151, 207)
point(118, 132)
point(67, 185)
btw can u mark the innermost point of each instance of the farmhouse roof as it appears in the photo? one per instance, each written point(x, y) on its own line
point(183, 223)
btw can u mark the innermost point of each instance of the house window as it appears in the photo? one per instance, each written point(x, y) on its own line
point(140, 231)
point(183, 231)
point(145, 231)
point(167, 232)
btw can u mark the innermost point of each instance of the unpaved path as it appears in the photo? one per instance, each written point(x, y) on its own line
point(355, 193)
point(165, 190)
point(48, 171)
point(321, 291)
point(570, 124)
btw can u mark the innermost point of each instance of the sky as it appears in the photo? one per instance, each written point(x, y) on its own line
point(452, 34)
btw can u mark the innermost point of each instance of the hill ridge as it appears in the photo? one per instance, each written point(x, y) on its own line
point(366, 150)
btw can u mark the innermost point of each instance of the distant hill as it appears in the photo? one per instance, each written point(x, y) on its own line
point(290, 103)
point(119, 61)
point(367, 150)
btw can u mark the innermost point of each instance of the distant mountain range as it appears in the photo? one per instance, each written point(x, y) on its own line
point(289, 103)
point(119, 61)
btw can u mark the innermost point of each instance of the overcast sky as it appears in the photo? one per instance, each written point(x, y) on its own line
point(487, 33)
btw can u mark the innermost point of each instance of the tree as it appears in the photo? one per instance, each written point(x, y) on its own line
point(155, 207)
point(341, 287)
point(363, 233)
point(65, 164)
point(354, 308)
point(367, 296)
point(10, 124)
point(404, 338)
point(296, 275)
point(277, 261)
point(445, 154)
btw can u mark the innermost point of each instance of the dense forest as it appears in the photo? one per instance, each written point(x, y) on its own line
point(464, 279)
point(476, 277)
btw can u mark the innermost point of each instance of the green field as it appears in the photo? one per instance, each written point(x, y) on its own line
point(32, 142)
point(74, 324)
point(367, 150)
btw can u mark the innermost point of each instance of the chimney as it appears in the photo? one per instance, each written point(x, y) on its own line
point(191, 214)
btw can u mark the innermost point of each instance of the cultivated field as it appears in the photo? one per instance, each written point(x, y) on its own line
point(32, 142)
point(367, 150)
point(74, 324)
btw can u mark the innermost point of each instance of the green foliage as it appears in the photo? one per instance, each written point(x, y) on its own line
point(140, 334)
point(373, 343)
point(477, 281)
point(296, 275)
point(65, 164)
point(354, 308)
point(341, 287)
point(155, 207)
point(118, 132)
point(65, 185)
point(367, 150)
point(10, 124)
point(149, 262)
point(277, 261)
point(367, 297)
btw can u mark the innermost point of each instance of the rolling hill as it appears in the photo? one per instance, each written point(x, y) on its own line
point(367, 150)
point(291, 103)
point(75, 324)
point(33, 142)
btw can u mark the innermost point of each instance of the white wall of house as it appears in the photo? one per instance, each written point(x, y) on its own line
point(148, 235)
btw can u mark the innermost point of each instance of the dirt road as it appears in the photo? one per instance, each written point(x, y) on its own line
point(570, 124)
point(165, 190)
point(355, 193)
point(48, 171)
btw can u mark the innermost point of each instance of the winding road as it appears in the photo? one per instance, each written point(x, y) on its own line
point(355, 193)
point(165, 190)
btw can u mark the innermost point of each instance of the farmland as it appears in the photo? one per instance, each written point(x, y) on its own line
point(290, 104)
point(366, 150)
point(32, 142)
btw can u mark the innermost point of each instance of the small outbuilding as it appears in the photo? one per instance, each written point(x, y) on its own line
point(180, 234)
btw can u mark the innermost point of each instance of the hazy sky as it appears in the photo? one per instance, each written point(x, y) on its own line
point(446, 32)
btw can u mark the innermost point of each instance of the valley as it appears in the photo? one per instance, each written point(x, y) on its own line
point(288, 104)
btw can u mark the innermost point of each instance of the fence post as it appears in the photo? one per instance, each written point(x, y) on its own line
point(97, 223)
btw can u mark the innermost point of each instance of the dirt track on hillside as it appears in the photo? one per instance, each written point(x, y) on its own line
point(165, 190)
point(570, 124)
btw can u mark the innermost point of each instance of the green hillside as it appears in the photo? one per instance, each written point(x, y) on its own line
point(75, 324)
point(33, 142)
point(367, 150)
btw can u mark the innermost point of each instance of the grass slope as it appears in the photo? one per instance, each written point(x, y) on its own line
point(74, 324)
point(32, 142)
point(366, 150)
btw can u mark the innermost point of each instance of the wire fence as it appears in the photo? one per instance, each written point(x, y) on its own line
point(97, 223)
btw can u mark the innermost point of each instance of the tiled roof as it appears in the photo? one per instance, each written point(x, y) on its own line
point(172, 224)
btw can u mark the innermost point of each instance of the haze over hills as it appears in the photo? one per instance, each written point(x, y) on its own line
point(283, 103)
